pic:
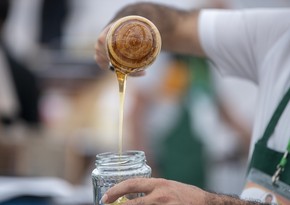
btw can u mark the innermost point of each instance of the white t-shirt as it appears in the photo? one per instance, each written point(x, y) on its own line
point(253, 44)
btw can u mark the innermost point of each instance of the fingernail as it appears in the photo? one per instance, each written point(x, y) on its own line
point(104, 199)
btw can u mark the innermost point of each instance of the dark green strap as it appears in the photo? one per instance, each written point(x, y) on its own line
point(275, 118)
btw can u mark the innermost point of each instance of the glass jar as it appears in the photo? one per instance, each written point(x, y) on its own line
point(112, 168)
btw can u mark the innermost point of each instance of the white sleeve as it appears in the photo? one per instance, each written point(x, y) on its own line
point(237, 41)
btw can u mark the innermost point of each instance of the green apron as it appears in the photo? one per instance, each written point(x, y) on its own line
point(265, 159)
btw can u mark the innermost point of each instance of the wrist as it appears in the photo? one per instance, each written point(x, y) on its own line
point(221, 199)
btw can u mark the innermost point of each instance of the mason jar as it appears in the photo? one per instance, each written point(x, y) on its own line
point(112, 168)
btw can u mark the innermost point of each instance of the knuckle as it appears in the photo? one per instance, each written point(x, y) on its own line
point(97, 51)
point(131, 186)
point(133, 183)
point(101, 41)
point(163, 182)
point(162, 198)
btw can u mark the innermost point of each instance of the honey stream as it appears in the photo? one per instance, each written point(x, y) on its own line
point(122, 80)
point(133, 43)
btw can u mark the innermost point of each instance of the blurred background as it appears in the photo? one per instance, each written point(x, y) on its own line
point(58, 109)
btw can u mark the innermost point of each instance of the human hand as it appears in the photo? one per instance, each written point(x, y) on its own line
point(157, 191)
point(100, 49)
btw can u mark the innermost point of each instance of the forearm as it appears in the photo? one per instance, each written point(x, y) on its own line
point(178, 28)
point(220, 199)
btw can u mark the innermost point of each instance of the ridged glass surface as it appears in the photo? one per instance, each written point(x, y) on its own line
point(110, 171)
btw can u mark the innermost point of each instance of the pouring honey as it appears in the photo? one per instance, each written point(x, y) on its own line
point(132, 43)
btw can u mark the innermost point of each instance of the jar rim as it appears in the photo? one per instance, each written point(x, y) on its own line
point(114, 159)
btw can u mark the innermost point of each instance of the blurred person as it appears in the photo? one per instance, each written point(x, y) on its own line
point(242, 44)
point(53, 17)
point(19, 92)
